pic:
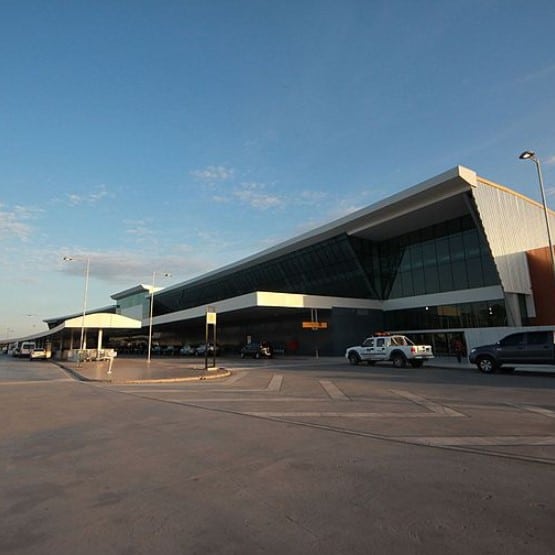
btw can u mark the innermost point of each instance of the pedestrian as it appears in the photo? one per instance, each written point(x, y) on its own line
point(459, 348)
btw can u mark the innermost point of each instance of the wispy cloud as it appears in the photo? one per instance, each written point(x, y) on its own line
point(311, 197)
point(132, 266)
point(539, 73)
point(140, 229)
point(255, 195)
point(14, 223)
point(90, 198)
point(550, 160)
point(212, 174)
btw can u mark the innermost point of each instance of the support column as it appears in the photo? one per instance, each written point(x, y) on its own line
point(99, 343)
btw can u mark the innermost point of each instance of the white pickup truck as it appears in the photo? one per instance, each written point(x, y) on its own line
point(396, 348)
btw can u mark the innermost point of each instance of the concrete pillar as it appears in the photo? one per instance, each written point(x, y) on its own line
point(99, 343)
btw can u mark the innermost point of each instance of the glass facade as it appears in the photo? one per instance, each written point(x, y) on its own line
point(444, 257)
point(328, 268)
point(138, 302)
point(465, 315)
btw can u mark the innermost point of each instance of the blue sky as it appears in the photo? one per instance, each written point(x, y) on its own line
point(179, 136)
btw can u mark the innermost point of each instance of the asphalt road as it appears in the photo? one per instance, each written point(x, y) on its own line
point(281, 457)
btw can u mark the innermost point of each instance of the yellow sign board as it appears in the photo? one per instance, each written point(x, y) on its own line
point(315, 325)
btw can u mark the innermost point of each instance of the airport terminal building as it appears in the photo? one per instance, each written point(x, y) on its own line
point(454, 256)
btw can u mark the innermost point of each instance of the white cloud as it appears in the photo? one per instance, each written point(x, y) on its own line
point(131, 267)
point(213, 173)
point(140, 229)
point(255, 196)
point(91, 198)
point(539, 73)
point(550, 160)
point(311, 197)
point(13, 224)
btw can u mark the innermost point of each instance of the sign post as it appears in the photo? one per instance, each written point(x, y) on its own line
point(314, 325)
point(210, 321)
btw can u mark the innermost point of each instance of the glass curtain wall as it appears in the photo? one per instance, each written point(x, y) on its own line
point(444, 257)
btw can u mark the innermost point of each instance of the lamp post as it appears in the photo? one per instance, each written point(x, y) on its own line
point(152, 290)
point(87, 265)
point(530, 155)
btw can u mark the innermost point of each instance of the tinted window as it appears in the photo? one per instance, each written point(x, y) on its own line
point(511, 340)
point(538, 338)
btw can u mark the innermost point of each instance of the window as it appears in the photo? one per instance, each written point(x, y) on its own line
point(539, 338)
point(512, 340)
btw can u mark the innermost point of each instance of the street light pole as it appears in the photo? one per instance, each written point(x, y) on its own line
point(87, 266)
point(152, 290)
point(530, 155)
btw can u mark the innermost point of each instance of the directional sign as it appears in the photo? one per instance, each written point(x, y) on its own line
point(315, 325)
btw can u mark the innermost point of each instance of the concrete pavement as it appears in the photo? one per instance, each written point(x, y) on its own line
point(175, 369)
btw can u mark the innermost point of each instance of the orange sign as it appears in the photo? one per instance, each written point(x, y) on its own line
point(315, 325)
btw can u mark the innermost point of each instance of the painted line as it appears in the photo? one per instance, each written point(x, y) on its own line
point(333, 391)
point(537, 410)
point(245, 399)
point(236, 377)
point(430, 405)
point(275, 383)
point(35, 382)
point(481, 440)
point(346, 414)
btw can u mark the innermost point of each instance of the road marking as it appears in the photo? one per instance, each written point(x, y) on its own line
point(249, 400)
point(235, 377)
point(480, 440)
point(430, 405)
point(35, 382)
point(538, 410)
point(275, 383)
point(333, 391)
point(347, 414)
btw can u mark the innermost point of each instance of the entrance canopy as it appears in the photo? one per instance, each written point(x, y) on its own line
point(98, 321)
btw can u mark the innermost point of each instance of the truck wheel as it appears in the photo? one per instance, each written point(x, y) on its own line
point(354, 359)
point(486, 365)
point(416, 363)
point(399, 361)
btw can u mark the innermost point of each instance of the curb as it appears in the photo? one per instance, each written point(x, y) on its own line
point(220, 373)
point(224, 374)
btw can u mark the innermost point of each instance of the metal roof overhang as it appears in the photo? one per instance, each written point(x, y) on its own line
point(91, 321)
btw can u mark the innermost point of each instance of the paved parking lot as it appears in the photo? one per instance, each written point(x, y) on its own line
point(297, 456)
point(432, 406)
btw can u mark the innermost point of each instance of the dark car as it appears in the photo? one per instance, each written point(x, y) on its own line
point(257, 350)
point(200, 351)
point(532, 347)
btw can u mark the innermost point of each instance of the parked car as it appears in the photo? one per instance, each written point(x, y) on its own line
point(38, 353)
point(257, 350)
point(169, 350)
point(396, 348)
point(201, 350)
point(531, 347)
point(187, 350)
